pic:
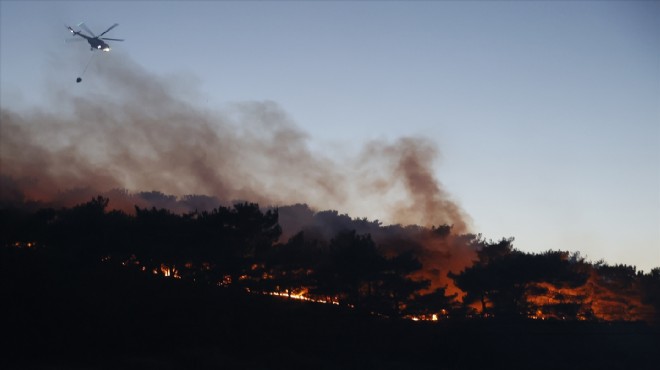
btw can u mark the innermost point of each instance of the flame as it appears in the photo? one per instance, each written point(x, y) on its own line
point(598, 299)
point(302, 295)
point(433, 317)
point(601, 297)
point(167, 271)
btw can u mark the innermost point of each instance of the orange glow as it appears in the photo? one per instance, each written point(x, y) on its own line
point(302, 296)
point(25, 245)
point(432, 317)
point(603, 297)
point(611, 302)
point(597, 299)
point(226, 281)
point(132, 260)
point(166, 271)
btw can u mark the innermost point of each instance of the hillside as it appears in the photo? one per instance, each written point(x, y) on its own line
point(102, 316)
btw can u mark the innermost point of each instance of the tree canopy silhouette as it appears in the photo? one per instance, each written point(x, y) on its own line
point(239, 247)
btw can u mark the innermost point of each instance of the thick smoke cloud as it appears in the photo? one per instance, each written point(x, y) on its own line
point(141, 139)
point(139, 132)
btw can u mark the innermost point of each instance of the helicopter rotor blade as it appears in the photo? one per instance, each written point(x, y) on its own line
point(73, 39)
point(107, 38)
point(111, 27)
point(84, 27)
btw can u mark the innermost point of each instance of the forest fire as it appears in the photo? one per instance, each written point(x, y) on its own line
point(594, 300)
point(425, 264)
point(417, 273)
point(547, 301)
point(602, 297)
point(126, 219)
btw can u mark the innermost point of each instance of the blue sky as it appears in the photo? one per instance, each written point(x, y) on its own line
point(546, 114)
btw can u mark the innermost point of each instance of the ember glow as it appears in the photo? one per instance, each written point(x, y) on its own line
point(24, 244)
point(302, 295)
point(167, 271)
point(610, 293)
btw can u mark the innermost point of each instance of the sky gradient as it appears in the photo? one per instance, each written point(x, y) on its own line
point(546, 115)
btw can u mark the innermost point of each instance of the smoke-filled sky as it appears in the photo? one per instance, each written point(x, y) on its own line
point(537, 120)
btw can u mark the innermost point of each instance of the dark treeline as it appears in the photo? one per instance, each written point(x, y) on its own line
point(240, 247)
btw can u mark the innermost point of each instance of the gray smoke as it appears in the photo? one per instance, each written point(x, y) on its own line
point(141, 139)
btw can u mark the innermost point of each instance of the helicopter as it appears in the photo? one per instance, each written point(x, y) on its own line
point(95, 42)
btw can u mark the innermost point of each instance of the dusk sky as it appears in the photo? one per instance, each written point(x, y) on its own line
point(545, 115)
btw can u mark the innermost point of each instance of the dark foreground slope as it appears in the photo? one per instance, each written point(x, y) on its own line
point(57, 315)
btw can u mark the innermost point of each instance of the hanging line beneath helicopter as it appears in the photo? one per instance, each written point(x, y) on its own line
point(85, 70)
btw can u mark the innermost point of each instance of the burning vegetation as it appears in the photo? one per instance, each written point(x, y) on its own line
point(393, 271)
point(141, 131)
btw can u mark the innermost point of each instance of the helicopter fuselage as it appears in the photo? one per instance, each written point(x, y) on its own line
point(95, 42)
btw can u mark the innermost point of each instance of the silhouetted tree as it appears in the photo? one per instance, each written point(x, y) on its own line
point(253, 234)
point(621, 293)
point(351, 268)
point(395, 285)
point(291, 264)
point(650, 292)
point(23, 226)
point(237, 245)
point(502, 279)
point(482, 282)
point(435, 303)
point(160, 237)
point(82, 231)
point(236, 241)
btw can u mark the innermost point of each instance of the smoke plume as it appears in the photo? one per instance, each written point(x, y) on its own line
point(142, 139)
point(140, 132)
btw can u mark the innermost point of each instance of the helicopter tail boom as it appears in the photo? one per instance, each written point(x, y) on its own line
point(77, 33)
